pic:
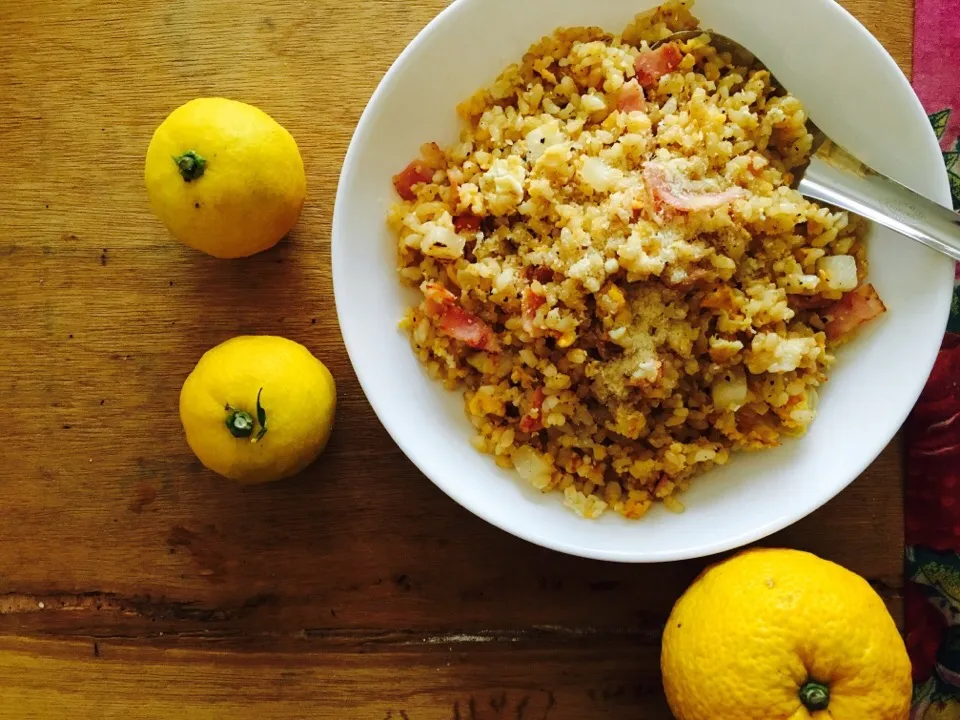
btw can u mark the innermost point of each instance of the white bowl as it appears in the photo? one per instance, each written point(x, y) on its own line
point(856, 94)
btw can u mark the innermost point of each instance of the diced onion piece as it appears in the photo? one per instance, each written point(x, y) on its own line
point(593, 103)
point(532, 467)
point(729, 391)
point(441, 242)
point(543, 137)
point(598, 175)
point(839, 272)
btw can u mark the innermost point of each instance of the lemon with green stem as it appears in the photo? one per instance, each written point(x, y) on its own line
point(258, 408)
point(783, 635)
point(224, 177)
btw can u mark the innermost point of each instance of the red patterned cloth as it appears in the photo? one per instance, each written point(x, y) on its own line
point(932, 500)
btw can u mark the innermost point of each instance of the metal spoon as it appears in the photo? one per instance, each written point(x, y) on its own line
point(836, 177)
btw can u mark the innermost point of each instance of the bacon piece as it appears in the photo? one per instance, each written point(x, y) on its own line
point(630, 98)
point(654, 64)
point(856, 308)
point(533, 420)
point(454, 321)
point(529, 303)
point(468, 223)
point(655, 176)
point(419, 171)
point(413, 174)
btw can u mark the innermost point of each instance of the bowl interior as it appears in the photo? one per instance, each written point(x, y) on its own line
point(854, 92)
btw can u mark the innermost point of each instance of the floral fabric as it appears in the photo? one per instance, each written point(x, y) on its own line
point(932, 498)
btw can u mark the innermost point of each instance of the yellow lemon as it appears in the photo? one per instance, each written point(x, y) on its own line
point(225, 177)
point(783, 635)
point(258, 408)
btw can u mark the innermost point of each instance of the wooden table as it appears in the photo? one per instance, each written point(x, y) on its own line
point(134, 584)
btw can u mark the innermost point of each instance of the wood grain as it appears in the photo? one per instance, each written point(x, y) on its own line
point(135, 584)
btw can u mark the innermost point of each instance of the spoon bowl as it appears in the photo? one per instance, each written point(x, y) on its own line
point(835, 176)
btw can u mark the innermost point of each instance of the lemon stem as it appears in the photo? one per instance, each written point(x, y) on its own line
point(261, 418)
point(814, 696)
point(240, 423)
point(190, 165)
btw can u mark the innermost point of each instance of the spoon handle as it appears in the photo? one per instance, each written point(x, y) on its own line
point(836, 177)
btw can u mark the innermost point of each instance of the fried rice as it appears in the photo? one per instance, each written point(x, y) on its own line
point(615, 270)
